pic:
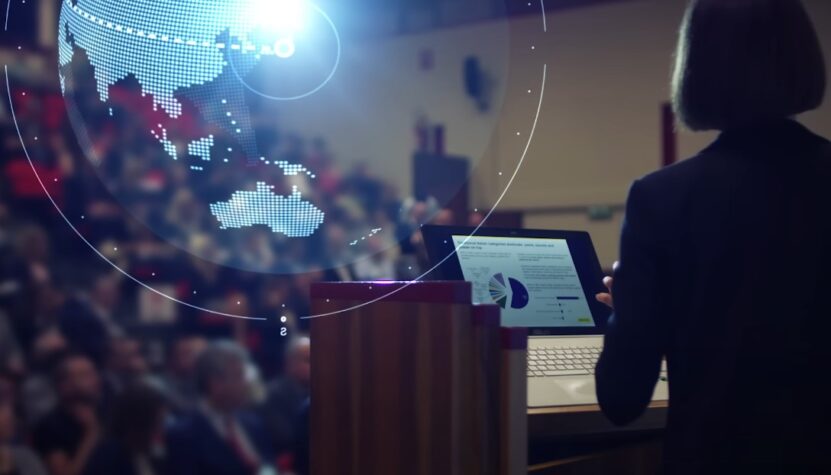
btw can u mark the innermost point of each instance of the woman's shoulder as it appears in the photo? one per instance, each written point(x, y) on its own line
point(675, 176)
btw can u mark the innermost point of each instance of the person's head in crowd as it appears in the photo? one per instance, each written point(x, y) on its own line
point(5, 214)
point(8, 386)
point(221, 376)
point(137, 417)
point(11, 144)
point(77, 380)
point(51, 298)
point(184, 212)
point(744, 63)
point(294, 145)
point(237, 302)
point(475, 218)
point(8, 428)
point(299, 361)
point(274, 293)
point(125, 359)
point(105, 293)
point(32, 244)
point(318, 156)
point(444, 217)
point(47, 346)
point(184, 353)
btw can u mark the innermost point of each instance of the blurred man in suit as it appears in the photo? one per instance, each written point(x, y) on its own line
point(219, 437)
point(287, 395)
point(66, 437)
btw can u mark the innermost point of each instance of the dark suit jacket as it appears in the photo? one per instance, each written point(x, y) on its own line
point(195, 448)
point(84, 330)
point(112, 457)
point(721, 271)
point(280, 413)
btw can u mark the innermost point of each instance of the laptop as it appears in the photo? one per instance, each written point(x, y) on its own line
point(545, 281)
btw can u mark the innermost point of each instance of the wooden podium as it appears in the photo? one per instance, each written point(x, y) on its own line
point(411, 378)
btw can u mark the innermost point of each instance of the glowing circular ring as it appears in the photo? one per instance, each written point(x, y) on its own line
point(313, 91)
point(327, 314)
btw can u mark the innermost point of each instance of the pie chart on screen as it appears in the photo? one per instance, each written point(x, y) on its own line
point(510, 291)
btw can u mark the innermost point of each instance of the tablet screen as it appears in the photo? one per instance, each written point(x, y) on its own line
point(533, 280)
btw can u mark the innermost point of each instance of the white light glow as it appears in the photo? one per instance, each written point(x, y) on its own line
point(279, 16)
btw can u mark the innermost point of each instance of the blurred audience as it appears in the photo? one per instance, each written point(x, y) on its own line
point(91, 364)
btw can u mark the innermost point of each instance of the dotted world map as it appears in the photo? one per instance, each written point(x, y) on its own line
point(169, 47)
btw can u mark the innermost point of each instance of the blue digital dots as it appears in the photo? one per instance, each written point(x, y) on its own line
point(290, 169)
point(193, 57)
point(288, 215)
point(168, 146)
point(182, 49)
point(202, 147)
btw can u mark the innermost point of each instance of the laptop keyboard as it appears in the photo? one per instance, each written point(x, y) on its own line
point(562, 361)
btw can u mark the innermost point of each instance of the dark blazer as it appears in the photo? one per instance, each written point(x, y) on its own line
point(721, 271)
point(280, 413)
point(112, 457)
point(195, 448)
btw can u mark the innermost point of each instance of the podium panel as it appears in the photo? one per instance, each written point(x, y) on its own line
point(408, 384)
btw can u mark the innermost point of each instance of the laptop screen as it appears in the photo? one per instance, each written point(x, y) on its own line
point(534, 280)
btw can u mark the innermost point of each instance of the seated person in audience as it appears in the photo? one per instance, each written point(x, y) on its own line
point(67, 435)
point(14, 459)
point(124, 365)
point(37, 391)
point(8, 386)
point(11, 354)
point(134, 434)
point(23, 278)
point(219, 438)
point(287, 394)
point(180, 380)
point(89, 321)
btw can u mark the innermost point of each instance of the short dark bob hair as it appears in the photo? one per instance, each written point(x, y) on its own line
point(742, 63)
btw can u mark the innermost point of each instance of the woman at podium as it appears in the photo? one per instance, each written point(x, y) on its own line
point(723, 256)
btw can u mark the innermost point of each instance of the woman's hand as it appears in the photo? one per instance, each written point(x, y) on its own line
point(606, 297)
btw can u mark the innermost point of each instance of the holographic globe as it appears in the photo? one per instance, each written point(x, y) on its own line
point(186, 109)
